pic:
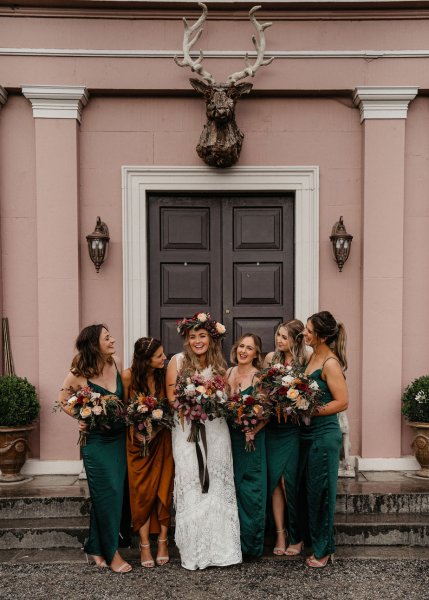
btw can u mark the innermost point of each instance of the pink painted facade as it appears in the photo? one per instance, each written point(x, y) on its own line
point(315, 105)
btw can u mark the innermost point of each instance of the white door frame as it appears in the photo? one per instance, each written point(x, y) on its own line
point(138, 181)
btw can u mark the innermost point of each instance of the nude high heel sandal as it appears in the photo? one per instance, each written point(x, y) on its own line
point(162, 560)
point(278, 551)
point(147, 564)
point(316, 563)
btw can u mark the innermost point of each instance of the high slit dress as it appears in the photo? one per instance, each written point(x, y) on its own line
point(151, 480)
point(282, 442)
point(105, 463)
point(250, 477)
point(320, 457)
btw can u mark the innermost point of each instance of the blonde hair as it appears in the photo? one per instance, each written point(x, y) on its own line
point(295, 329)
point(213, 357)
point(325, 326)
point(257, 361)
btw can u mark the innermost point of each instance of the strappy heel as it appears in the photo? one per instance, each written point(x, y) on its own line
point(278, 551)
point(294, 551)
point(124, 568)
point(147, 564)
point(162, 560)
point(316, 563)
point(90, 559)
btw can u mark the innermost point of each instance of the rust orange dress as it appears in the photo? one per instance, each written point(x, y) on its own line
point(151, 480)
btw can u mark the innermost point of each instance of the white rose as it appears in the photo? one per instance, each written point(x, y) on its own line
point(190, 388)
point(220, 395)
point(277, 366)
point(95, 395)
point(97, 410)
point(220, 328)
point(157, 414)
point(313, 385)
point(202, 317)
point(287, 379)
point(142, 408)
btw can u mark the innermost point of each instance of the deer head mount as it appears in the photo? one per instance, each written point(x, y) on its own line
point(221, 139)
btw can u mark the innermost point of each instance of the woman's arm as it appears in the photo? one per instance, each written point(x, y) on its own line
point(170, 379)
point(71, 383)
point(126, 382)
point(268, 359)
point(337, 385)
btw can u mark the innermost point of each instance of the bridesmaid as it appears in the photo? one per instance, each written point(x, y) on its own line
point(321, 440)
point(282, 442)
point(250, 468)
point(104, 456)
point(150, 477)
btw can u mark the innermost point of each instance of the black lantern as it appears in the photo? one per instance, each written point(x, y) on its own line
point(98, 242)
point(341, 242)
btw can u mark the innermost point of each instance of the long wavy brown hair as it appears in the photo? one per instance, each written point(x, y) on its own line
point(89, 361)
point(213, 358)
point(144, 349)
point(326, 326)
point(294, 329)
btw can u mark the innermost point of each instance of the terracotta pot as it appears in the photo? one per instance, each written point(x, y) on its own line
point(13, 452)
point(420, 445)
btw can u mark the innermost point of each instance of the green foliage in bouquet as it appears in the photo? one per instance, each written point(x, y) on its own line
point(19, 404)
point(415, 400)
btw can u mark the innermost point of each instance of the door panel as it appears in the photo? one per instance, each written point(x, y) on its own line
point(230, 255)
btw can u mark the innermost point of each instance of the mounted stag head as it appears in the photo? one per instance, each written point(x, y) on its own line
point(221, 139)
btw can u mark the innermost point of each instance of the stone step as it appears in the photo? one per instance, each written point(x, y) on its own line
point(64, 532)
point(353, 530)
point(44, 507)
point(383, 503)
point(382, 529)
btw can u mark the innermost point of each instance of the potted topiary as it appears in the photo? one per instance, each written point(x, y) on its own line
point(415, 407)
point(19, 408)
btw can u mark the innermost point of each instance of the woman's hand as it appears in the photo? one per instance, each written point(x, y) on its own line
point(250, 435)
point(82, 426)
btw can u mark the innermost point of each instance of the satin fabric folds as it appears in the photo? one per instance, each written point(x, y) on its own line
point(151, 481)
point(104, 457)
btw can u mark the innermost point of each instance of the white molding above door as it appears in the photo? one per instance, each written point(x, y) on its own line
point(138, 181)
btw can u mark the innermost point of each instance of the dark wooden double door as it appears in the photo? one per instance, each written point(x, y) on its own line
point(230, 255)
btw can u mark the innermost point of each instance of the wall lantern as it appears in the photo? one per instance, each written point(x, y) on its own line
point(98, 242)
point(341, 242)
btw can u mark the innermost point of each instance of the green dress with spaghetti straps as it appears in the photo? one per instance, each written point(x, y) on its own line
point(250, 477)
point(104, 457)
point(320, 456)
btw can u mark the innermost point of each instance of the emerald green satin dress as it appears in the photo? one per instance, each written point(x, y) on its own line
point(104, 457)
point(250, 477)
point(320, 456)
point(283, 446)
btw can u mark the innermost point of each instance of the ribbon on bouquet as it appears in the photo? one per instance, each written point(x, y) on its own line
point(198, 430)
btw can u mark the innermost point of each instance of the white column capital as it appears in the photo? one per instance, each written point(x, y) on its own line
point(3, 96)
point(381, 102)
point(56, 101)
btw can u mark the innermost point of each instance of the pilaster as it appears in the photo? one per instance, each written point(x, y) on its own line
point(383, 113)
point(57, 111)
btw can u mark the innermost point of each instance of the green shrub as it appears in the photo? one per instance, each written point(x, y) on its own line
point(415, 400)
point(19, 404)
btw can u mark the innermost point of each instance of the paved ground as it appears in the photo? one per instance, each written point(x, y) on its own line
point(269, 578)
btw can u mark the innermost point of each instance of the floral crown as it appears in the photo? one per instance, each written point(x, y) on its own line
point(201, 321)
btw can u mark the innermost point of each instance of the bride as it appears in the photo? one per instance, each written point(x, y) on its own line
point(207, 525)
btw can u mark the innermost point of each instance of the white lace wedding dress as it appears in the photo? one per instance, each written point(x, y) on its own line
point(207, 525)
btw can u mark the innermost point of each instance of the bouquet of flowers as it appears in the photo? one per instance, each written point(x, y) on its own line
point(199, 397)
point(96, 410)
point(145, 413)
point(246, 412)
point(292, 393)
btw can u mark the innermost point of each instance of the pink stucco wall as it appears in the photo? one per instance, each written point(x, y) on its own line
point(142, 112)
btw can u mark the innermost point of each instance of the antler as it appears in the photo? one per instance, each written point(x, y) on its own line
point(188, 42)
point(259, 44)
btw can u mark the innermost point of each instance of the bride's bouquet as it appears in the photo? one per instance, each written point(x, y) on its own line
point(245, 413)
point(293, 394)
point(146, 414)
point(98, 411)
point(199, 397)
